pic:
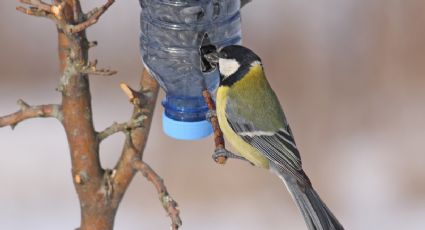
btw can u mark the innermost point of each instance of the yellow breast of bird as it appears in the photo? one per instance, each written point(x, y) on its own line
point(243, 148)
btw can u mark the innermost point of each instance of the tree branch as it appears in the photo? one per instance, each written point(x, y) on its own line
point(99, 190)
point(144, 102)
point(91, 17)
point(135, 143)
point(121, 127)
point(169, 204)
point(27, 112)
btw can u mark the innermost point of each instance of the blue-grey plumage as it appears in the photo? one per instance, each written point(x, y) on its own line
point(252, 120)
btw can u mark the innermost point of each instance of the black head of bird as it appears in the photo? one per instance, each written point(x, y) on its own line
point(233, 62)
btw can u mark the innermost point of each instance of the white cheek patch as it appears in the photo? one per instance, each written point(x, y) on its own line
point(228, 67)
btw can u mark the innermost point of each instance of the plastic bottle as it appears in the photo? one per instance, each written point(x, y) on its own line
point(171, 35)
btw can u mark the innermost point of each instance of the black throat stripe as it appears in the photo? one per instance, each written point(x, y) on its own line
point(232, 79)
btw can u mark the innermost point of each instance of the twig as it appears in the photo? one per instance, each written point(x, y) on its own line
point(27, 112)
point(169, 204)
point(91, 68)
point(91, 18)
point(121, 127)
point(39, 4)
point(218, 135)
point(42, 9)
point(56, 11)
point(138, 99)
point(92, 44)
point(32, 11)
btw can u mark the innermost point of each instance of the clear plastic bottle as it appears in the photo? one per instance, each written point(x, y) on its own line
point(171, 35)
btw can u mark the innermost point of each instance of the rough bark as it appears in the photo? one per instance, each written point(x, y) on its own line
point(99, 190)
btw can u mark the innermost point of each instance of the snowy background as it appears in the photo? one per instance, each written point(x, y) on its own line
point(351, 77)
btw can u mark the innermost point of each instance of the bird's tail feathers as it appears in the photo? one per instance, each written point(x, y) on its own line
point(316, 215)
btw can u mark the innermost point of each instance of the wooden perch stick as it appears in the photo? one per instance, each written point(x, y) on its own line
point(218, 135)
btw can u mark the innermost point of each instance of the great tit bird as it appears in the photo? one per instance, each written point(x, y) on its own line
point(252, 120)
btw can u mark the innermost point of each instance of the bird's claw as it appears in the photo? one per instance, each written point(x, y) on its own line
point(224, 153)
point(210, 114)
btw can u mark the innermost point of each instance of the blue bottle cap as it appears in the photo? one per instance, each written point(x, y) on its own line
point(186, 130)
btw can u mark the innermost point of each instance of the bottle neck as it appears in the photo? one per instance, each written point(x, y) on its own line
point(188, 109)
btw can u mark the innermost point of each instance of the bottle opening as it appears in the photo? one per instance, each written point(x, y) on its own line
point(186, 130)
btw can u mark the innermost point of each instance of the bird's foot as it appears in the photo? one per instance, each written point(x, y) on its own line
point(222, 153)
point(210, 114)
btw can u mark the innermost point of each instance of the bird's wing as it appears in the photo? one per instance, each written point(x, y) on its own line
point(276, 144)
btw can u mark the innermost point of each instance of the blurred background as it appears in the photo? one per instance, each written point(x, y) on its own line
point(351, 77)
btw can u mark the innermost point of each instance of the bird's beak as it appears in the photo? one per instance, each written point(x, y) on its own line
point(209, 55)
point(209, 60)
point(212, 57)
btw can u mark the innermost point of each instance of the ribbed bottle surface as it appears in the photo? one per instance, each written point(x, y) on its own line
point(170, 38)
